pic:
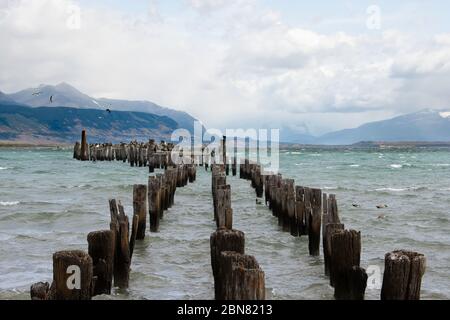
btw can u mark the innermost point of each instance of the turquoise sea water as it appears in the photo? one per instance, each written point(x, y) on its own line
point(50, 202)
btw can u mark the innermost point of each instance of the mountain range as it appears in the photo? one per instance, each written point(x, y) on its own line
point(65, 95)
point(29, 115)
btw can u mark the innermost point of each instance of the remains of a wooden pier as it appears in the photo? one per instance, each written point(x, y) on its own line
point(108, 260)
point(237, 276)
point(304, 211)
point(299, 210)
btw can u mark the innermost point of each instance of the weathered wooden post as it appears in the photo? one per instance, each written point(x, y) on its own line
point(77, 151)
point(348, 278)
point(330, 229)
point(84, 147)
point(224, 211)
point(40, 291)
point(241, 277)
point(122, 257)
point(300, 210)
point(154, 202)
point(72, 275)
point(140, 208)
point(101, 249)
point(315, 222)
point(331, 224)
point(220, 241)
point(403, 274)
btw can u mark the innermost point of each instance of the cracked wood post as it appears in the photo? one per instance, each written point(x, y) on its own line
point(348, 278)
point(140, 208)
point(300, 210)
point(224, 240)
point(101, 249)
point(241, 277)
point(315, 222)
point(403, 274)
point(122, 258)
point(224, 211)
point(154, 202)
point(330, 229)
point(72, 276)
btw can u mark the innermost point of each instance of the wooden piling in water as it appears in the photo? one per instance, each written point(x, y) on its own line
point(220, 241)
point(140, 208)
point(348, 278)
point(330, 229)
point(330, 225)
point(40, 291)
point(315, 222)
point(84, 152)
point(241, 277)
point(101, 249)
point(72, 275)
point(122, 257)
point(403, 274)
point(154, 202)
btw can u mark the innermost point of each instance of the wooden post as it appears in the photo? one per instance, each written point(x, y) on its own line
point(122, 258)
point(348, 278)
point(403, 274)
point(134, 232)
point(224, 240)
point(84, 147)
point(300, 210)
point(330, 229)
point(77, 151)
point(224, 211)
point(241, 277)
point(315, 222)
point(72, 275)
point(101, 249)
point(40, 291)
point(154, 202)
point(140, 208)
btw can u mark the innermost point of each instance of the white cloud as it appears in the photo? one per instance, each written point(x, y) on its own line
point(230, 64)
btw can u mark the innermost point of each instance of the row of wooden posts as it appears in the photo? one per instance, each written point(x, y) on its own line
point(80, 275)
point(299, 210)
point(237, 276)
point(150, 154)
point(308, 211)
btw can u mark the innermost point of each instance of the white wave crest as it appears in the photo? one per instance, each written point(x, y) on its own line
point(9, 203)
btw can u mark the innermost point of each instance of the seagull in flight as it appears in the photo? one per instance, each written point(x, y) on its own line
point(37, 93)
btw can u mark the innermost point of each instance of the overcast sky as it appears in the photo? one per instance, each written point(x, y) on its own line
point(312, 65)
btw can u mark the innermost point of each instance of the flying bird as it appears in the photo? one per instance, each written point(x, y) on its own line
point(37, 93)
point(51, 99)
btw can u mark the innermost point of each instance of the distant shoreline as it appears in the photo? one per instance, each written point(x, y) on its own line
point(282, 145)
point(19, 144)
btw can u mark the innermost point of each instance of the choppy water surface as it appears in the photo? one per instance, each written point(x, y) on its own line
point(49, 202)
